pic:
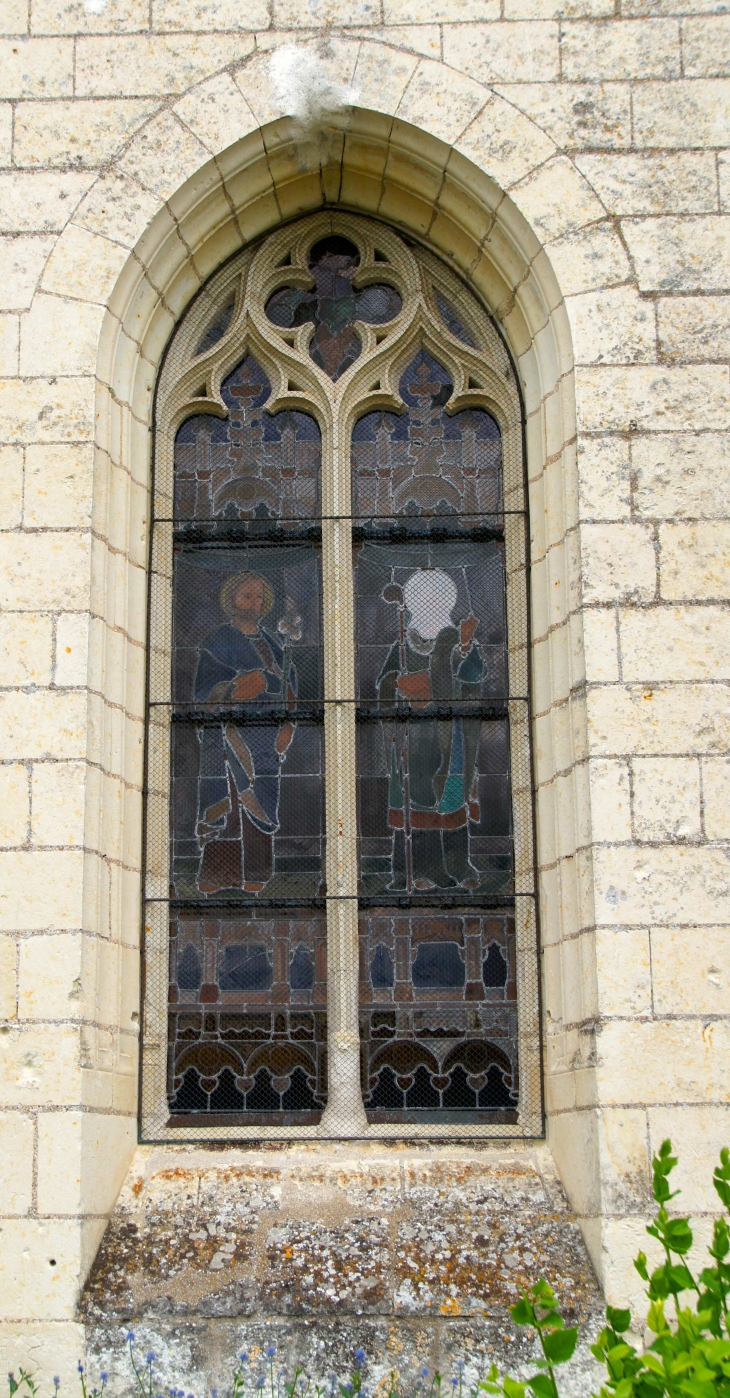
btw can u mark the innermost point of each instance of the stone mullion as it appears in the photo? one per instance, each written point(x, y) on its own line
point(344, 1114)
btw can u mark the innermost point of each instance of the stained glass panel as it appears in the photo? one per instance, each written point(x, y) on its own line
point(333, 305)
point(423, 461)
point(434, 789)
point(250, 465)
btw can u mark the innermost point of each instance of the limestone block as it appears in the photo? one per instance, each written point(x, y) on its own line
point(84, 265)
point(380, 84)
point(37, 67)
point(685, 112)
point(11, 486)
point(163, 156)
point(694, 560)
point(612, 327)
point(591, 258)
point(604, 477)
point(6, 132)
point(22, 260)
point(41, 724)
point(305, 14)
point(680, 719)
point(44, 571)
point(8, 980)
point(72, 646)
point(9, 344)
point(690, 970)
point(625, 49)
point(557, 199)
point(33, 202)
point(670, 183)
point(618, 563)
point(576, 115)
point(682, 475)
point(26, 643)
point(16, 17)
point(441, 101)
point(40, 889)
point(17, 1133)
point(96, 1151)
point(141, 65)
point(46, 410)
point(694, 328)
point(666, 798)
point(58, 790)
point(623, 971)
point(545, 9)
point(42, 1265)
point(600, 642)
point(504, 142)
point(670, 643)
point(419, 38)
point(680, 254)
point(716, 797)
point(117, 208)
point(52, 978)
point(437, 11)
point(513, 52)
point(14, 805)
point(58, 482)
point(75, 133)
point(671, 883)
point(208, 15)
point(706, 46)
point(662, 1061)
point(723, 172)
point(610, 800)
point(663, 399)
point(59, 336)
point(75, 17)
point(216, 113)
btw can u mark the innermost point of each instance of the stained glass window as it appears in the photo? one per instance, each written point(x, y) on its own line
point(340, 911)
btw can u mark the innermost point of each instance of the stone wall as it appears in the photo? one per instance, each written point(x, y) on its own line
point(570, 164)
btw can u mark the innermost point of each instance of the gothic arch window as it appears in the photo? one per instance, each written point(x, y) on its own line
point(340, 925)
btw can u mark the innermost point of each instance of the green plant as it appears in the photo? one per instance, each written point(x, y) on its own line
point(689, 1356)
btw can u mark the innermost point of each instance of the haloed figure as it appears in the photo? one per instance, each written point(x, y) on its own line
point(432, 789)
point(240, 764)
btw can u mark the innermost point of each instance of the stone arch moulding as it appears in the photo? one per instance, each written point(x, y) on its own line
point(436, 192)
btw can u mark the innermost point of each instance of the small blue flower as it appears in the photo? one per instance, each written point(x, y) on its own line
point(130, 1335)
point(243, 1357)
point(270, 1351)
point(424, 1371)
point(150, 1358)
point(460, 1365)
point(260, 1381)
point(359, 1357)
point(80, 1368)
point(57, 1382)
point(454, 1382)
point(214, 1393)
point(103, 1376)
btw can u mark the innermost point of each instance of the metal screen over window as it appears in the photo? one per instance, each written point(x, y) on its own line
point(340, 921)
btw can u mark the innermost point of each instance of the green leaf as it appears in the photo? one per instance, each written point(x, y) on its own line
point(543, 1289)
point(641, 1267)
point(542, 1385)
point(618, 1320)
point(560, 1345)
point(522, 1312)
point(678, 1235)
point(681, 1278)
point(513, 1389)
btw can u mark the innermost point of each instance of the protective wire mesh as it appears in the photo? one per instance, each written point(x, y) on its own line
point(428, 922)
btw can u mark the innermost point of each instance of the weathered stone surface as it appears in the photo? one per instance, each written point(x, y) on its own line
point(424, 1250)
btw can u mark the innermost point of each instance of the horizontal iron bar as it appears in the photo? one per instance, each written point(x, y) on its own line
point(312, 711)
point(440, 898)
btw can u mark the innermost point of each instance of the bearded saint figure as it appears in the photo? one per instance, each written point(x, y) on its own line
point(240, 763)
point(433, 780)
